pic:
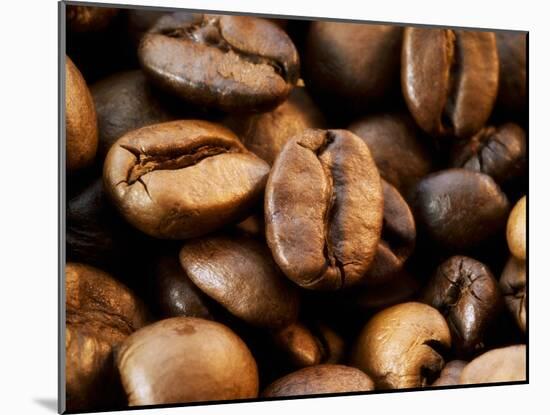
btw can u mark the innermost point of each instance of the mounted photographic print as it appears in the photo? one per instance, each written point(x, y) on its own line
point(266, 207)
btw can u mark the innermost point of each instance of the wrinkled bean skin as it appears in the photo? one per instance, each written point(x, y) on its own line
point(352, 65)
point(395, 144)
point(467, 294)
point(126, 102)
point(239, 273)
point(499, 152)
point(449, 79)
point(320, 379)
point(178, 179)
point(513, 285)
point(266, 134)
point(395, 346)
point(201, 360)
point(80, 118)
point(450, 375)
point(101, 313)
point(323, 186)
point(232, 63)
point(459, 208)
point(516, 229)
point(506, 364)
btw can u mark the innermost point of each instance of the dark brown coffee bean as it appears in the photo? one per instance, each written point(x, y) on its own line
point(182, 179)
point(459, 208)
point(101, 313)
point(299, 344)
point(355, 65)
point(239, 273)
point(265, 134)
point(394, 141)
point(323, 209)
point(499, 152)
point(516, 229)
point(449, 79)
point(320, 379)
point(396, 347)
point(467, 294)
point(89, 19)
point(233, 63)
point(512, 89)
point(176, 294)
point(186, 359)
point(513, 285)
point(507, 364)
point(450, 375)
point(80, 118)
point(125, 102)
point(96, 234)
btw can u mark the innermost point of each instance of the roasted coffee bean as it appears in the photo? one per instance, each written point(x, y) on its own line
point(232, 63)
point(354, 66)
point(96, 234)
point(513, 285)
point(80, 118)
point(516, 229)
point(182, 179)
point(89, 19)
point(512, 88)
point(467, 294)
point(459, 208)
point(176, 294)
point(125, 102)
point(507, 364)
point(449, 79)
point(186, 359)
point(299, 344)
point(450, 375)
point(239, 273)
point(396, 146)
point(500, 152)
point(399, 347)
point(323, 209)
point(265, 134)
point(320, 379)
point(101, 313)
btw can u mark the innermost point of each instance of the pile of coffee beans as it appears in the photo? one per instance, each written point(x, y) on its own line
point(261, 207)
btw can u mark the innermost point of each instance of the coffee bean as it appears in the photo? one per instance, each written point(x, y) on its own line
point(239, 273)
point(299, 343)
point(233, 63)
point(354, 66)
point(125, 102)
point(395, 144)
point(320, 379)
point(500, 152)
point(89, 19)
point(459, 208)
point(266, 133)
point(80, 118)
point(324, 185)
point(176, 294)
point(466, 293)
point(449, 79)
point(513, 285)
point(201, 360)
point(101, 313)
point(506, 364)
point(399, 347)
point(516, 229)
point(450, 375)
point(182, 179)
point(512, 87)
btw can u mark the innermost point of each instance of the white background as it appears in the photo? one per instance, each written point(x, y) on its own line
point(28, 204)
